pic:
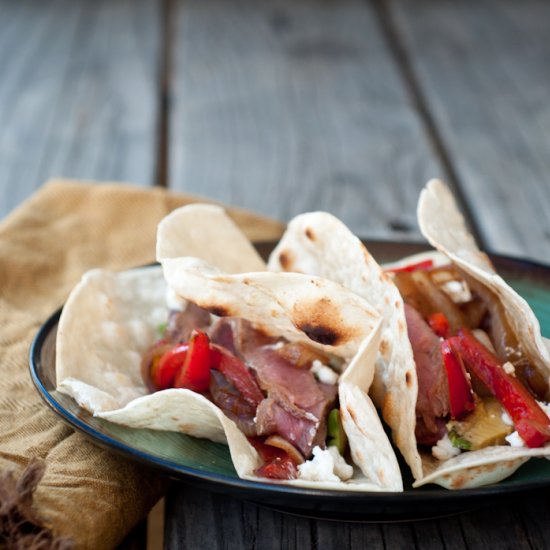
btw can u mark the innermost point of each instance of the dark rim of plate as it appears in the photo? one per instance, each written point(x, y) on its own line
point(192, 474)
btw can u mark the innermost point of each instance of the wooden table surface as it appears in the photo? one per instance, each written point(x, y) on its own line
point(287, 106)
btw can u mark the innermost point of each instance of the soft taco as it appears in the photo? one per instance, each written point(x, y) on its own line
point(256, 360)
point(462, 372)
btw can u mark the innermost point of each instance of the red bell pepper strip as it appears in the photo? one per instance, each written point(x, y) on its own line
point(195, 372)
point(278, 468)
point(530, 421)
point(424, 264)
point(267, 453)
point(277, 463)
point(165, 367)
point(236, 372)
point(439, 324)
point(461, 397)
point(150, 362)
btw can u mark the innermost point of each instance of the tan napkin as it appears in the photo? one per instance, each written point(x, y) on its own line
point(67, 227)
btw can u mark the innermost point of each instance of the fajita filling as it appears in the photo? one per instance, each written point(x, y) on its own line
point(279, 394)
point(476, 385)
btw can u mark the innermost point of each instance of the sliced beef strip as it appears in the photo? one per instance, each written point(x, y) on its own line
point(427, 437)
point(295, 425)
point(295, 398)
point(232, 403)
point(433, 389)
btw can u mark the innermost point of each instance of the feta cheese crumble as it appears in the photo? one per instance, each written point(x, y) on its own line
point(509, 368)
point(457, 291)
point(326, 465)
point(323, 373)
point(506, 419)
point(515, 440)
point(444, 449)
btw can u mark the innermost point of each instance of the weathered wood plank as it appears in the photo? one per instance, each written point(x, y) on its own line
point(290, 106)
point(77, 93)
point(494, 528)
point(483, 68)
point(532, 514)
point(199, 519)
point(352, 536)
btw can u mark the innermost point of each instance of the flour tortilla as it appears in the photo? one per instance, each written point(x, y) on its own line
point(318, 243)
point(205, 231)
point(298, 307)
point(443, 225)
point(110, 319)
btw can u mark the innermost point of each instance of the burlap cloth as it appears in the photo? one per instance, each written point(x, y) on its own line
point(67, 227)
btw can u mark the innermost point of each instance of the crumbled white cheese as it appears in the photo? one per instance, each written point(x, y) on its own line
point(457, 291)
point(173, 301)
point(515, 440)
point(326, 465)
point(341, 468)
point(505, 417)
point(444, 449)
point(509, 368)
point(323, 373)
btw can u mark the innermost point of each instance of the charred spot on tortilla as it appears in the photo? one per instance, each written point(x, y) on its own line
point(384, 346)
point(310, 234)
point(320, 334)
point(186, 428)
point(285, 259)
point(321, 321)
point(459, 481)
point(388, 404)
point(401, 325)
point(408, 378)
point(353, 416)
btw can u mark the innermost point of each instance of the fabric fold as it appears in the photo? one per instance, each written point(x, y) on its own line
point(46, 244)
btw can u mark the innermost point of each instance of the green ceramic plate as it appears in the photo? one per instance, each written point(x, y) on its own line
point(208, 464)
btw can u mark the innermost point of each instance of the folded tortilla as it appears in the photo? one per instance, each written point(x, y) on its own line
point(110, 319)
point(319, 244)
point(205, 231)
point(444, 227)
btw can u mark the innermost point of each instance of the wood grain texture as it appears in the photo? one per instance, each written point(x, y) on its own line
point(199, 519)
point(284, 107)
point(483, 68)
point(77, 93)
point(289, 106)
